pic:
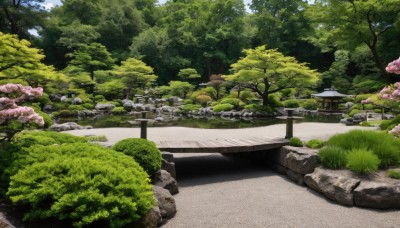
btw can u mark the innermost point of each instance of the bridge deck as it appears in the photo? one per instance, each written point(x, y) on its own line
point(222, 145)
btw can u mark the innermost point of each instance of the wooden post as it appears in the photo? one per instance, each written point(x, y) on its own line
point(289, 124)
point(143, 129)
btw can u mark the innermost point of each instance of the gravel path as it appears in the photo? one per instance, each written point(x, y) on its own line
point(217, 191)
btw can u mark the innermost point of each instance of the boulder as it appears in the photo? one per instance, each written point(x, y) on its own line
point(165, 202)
point(149, 108)
point(77, 101)
point(4, 223)
point(138, 107)
point(335, 185)
point(55, 97)
point(164, 179)
point(159, 119)
point(151, 219)
point(48, 108)
point(296, 177)
point(300, 159)
point(68, 126)
point(169, 157)
point(104, 107)
point(127, 104)
point(377, 195)
point(84, 113)
point(64, 99)
point(169, 167)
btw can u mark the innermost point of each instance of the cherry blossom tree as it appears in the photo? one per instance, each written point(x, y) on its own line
point(14, 118)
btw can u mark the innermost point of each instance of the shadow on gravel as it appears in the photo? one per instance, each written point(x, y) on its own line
point(194, 169)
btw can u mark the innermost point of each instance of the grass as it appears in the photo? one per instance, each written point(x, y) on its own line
point(394, 173)
point(362, 161)
point(333, 157)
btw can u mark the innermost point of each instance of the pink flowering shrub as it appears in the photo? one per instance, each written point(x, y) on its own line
point(394, 67)
point(13, 118)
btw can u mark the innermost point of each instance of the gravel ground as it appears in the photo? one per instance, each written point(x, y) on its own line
point(217, 191)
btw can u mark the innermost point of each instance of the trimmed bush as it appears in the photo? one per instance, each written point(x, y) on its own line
point(75, 108)
point(389, 124)
point(80, 183)
point(47, 119)
point(222, 107)
point(315, 143)
point(362, 161)
point(332, 157)
point(310, 104)
point(191, 107)
point(355, 111)
point(143, 151)
point(294, 141)
point(96, 138)
point(203, 99)
point(188, 101)
point(118, 111)
point(274, 100)
point(382, 144)
point(246, 95)
point(394, 173)
point(235, 102)
point(30, 138)
point(99, 98)
point(292, 103)
point(65, 113)
point(88, 106)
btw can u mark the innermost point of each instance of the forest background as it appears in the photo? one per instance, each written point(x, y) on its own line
point(348, 42)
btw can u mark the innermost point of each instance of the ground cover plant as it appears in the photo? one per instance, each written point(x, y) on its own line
point(394, 173)
point(81, 183)
point(143, 151)
point(315, 143)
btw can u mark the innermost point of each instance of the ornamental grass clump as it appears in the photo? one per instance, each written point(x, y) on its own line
point(386, 147)
point(394, 173)
point(81, 184)
point(332, 157)
point(143, 151)
point(362, 161)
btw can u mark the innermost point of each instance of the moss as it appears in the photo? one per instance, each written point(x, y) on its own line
point(296, 142)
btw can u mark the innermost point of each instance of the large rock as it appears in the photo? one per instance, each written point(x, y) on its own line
point(77, 101)
point(68, 126)
point(4, 223)
point(165, 202)
point(151, 219)
point(169, 167)
point(104, 107)
point(164, 179)
point(296, 177)
point(55, 97)
point(299, 159)
point(127, 104)
point(335, 185)
point(377, 195)
point(169, 157)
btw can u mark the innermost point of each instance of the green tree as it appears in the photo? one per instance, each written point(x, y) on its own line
point(76, 34)
point(188, 74)
point(180, 89)
point(18, 16)
point(90, 58)
point(134, 73)
point(269, 71)
point(349, 24)
point(21, 63)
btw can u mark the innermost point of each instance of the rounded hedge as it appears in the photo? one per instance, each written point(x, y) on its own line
point(332, 157)
point(80, 183)
point(143, 151)
point(315, 143)
point(222, 107)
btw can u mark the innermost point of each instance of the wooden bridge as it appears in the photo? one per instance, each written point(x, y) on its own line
point(222, 145)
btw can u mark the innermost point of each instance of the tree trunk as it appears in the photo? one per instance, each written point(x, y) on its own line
point(265, 99)
point(378, 61)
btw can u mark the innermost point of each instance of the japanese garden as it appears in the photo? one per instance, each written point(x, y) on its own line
point(202, 113)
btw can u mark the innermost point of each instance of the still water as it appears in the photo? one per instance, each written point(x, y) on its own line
point(212, 122)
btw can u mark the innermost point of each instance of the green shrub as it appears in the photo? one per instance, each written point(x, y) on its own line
point(389, 124)
point(310, 104)
point(75, 108)
point(214, 103)
point(188, 101)
point(8, 153)
point(47, 119)
point(235, 102)
point(394, 173)
point(191, 107)
point(88, 106)
point(203, 100)
point(274, 100)
point(292, 103)
point(30, 138)
point(332, 157)
point(361, 97)
point(380, 143)
point(80, 183)
point(143, 151)
point(315, 143)
point(294, 141)
point(355, 111)
point(96, 138)
point(99, 98)
point(222, 107)
point(118, 111)
point(246, 95)
point(250, 107)
point(362, 161)
point(65, 113)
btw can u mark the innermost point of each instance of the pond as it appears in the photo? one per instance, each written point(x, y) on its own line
point(211, 122)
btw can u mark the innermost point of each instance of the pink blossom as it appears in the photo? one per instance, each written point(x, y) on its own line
point(395, 131)
point(366, 101)
point(394, 67)
point(23, 114)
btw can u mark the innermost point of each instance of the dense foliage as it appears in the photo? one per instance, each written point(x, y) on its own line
point(81, 183)
point(296, 142)
point(143, 151)
point(315, 143)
